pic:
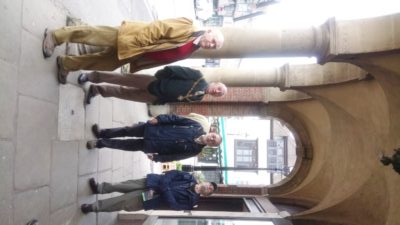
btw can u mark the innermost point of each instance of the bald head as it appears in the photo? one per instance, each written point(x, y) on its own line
point(216, 89)
point(212, 39)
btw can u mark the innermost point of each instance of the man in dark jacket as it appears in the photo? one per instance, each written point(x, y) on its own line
point(171, 84)
point(174, 190)
point(165, 138)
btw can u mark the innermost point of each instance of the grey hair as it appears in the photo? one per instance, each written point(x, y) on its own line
point(222, 85)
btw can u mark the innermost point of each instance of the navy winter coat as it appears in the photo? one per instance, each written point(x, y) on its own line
point(174, 189)
point(172, 138)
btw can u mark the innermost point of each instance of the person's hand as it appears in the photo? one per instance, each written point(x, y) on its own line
point(150, 156)
point(153, 121)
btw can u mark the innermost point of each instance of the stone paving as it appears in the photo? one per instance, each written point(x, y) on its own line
point(44, 165)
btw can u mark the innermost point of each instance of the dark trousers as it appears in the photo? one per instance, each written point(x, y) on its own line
point(136, 130)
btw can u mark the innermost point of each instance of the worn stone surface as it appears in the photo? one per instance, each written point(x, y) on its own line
point(10, 44)
point(105, 158)
point(8, 98)
point(6, 168)
point(6, 211)
point(115, 11)
point(129, 112)
point(65, 215)
point(37, 76)
point(64, 170)
point(107, 218)
point(71, 113)
point(37, 127)
point(35, 21)
point(105, 114)
point(117, 159)
point(32, 204)
point(117, 175)
point(6, 177)
point(87, 159)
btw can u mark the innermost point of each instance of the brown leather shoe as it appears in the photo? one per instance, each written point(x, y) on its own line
point(48, 44)
point(61, 72)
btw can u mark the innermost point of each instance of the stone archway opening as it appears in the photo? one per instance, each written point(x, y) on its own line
point(255, 151)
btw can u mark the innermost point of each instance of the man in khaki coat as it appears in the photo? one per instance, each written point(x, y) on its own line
point(143, 45)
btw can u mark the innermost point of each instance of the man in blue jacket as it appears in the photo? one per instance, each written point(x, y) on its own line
point(164, 138)
point(174, 190)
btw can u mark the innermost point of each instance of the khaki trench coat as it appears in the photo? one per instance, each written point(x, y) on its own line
point(136, 38)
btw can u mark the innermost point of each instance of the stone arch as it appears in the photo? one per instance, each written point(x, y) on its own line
point(304, 150)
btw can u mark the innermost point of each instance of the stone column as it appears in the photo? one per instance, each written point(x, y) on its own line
point(285, 77)
point(235, 77)
point(264, 42)
point(363, 36)
point(332, 41)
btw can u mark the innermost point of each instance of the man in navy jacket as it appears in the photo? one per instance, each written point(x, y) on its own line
point(170, 84)
point(164, 138)
point(174, 190)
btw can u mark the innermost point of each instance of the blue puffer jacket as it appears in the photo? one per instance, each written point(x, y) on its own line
point(174, 191)
point(172, 138)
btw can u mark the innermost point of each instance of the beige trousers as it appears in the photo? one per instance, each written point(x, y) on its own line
point(130, 201)
point(101, 36)
point(132, 87)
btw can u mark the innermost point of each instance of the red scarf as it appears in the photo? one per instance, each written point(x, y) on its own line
point(173, 54)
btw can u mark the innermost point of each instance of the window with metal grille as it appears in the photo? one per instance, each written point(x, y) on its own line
point(246, 153)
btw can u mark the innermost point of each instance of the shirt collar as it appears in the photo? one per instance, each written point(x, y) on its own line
point(197, 41)
point(197, 140)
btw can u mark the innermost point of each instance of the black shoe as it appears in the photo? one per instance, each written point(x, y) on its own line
point(93, 186)
point(33, 222)
point(89, 95)
point(91, 144)
point(82, 78)
point(96, 131)
point(86, 208)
